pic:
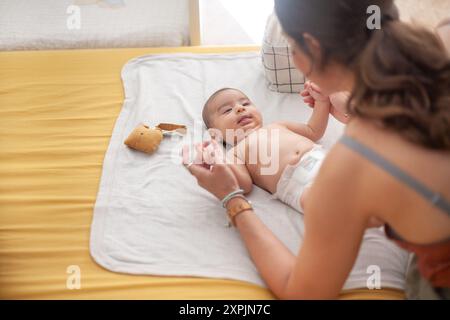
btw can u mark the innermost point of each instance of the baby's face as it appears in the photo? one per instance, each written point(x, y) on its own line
point(231, 109)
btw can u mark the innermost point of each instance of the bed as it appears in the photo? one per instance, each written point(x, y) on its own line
point(57, 112)
point(79, 24)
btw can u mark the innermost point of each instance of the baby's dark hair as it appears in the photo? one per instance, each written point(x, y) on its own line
point(205, 112)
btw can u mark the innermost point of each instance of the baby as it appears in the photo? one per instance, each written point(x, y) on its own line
point(297, 157)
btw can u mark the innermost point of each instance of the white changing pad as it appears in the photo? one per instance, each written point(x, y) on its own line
point(152, 218)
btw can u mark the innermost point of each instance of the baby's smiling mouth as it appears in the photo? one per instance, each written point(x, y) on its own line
point(244, 119)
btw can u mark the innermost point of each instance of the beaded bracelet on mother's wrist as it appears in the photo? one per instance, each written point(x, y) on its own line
point(231, 195)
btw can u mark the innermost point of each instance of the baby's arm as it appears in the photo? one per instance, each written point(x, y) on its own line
point(317, 124)
point(240, 171)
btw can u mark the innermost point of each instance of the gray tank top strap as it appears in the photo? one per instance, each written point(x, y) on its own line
point(435, 198)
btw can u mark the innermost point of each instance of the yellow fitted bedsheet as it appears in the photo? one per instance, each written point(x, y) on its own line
point(57, 113)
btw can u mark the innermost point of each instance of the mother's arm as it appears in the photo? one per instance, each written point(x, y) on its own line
point(334, 228)
point(333, 233)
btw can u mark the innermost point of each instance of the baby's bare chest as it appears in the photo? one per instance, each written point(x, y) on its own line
point(271, 143)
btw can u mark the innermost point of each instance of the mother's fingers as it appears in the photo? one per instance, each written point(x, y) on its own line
point(185, 155)
point(200, 172)
point(308, 100)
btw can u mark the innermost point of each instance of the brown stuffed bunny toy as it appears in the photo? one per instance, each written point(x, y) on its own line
point(146, 139)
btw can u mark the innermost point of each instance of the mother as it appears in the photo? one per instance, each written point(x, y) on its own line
point(392, 165)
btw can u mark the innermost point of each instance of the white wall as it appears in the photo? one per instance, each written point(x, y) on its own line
point(230, 22)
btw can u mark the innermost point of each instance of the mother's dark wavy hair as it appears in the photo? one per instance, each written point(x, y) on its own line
point(402, 72)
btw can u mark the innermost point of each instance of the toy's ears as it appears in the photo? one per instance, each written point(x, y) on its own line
point(172, 127)
point(144, 125)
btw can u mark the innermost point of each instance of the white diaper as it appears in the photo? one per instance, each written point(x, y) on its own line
point(296, 178)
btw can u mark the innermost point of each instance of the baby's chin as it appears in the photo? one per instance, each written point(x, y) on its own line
point(247, 130)
point(251, 127)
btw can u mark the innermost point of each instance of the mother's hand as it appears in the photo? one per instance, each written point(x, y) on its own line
point(218, 178)
point(338, 100)
point(339, 106)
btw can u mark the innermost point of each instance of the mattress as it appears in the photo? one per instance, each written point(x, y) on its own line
point(66, 24)
point(58, 110)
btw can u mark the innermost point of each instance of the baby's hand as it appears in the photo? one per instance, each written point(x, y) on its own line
point(193, 154)
point(312, 93)
point(204, 154)
point(213, 153)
